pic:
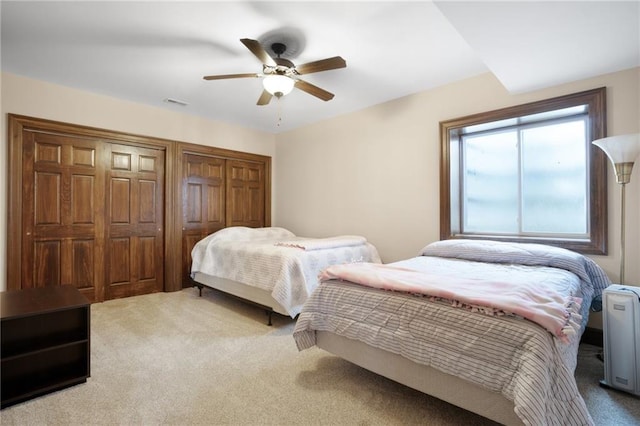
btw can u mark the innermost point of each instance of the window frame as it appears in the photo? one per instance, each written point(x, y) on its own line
point(595, 100)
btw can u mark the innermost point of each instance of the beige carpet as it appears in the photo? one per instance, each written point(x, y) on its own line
point(175, 358)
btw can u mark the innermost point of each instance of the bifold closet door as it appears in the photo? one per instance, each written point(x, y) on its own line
point(203, 203)
point(62, 213)
point(245, 194)
point(134, 221)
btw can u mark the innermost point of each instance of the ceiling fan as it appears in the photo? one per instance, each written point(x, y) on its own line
point(281, 75)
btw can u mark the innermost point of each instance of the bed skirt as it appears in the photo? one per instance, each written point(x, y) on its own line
point(244, 291)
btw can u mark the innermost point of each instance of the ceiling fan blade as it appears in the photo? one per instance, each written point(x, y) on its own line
point(314, 90)
point(256, 48)
point(265, 98)
point(322, 65)
point(221, 77)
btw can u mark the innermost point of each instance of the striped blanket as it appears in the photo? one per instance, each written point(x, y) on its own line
point(533, 300)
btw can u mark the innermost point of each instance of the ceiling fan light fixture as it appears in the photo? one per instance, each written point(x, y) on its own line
point(278, 85)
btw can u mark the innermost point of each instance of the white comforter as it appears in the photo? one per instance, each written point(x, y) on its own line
point(253, 257)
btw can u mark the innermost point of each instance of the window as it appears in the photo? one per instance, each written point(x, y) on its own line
point(528, 173)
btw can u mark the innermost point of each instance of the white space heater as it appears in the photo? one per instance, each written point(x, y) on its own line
point(621, 325)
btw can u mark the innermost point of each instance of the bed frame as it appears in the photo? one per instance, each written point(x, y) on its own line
point(254, 295)
point(451, 389)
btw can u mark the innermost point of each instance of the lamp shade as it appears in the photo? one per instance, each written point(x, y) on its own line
point(620, 149)
point(278, 85)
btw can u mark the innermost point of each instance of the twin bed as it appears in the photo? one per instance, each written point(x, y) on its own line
point(488, 326)
point(409, 321)
point(272, 267)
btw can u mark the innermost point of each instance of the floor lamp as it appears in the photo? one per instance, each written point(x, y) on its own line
point(622, 150)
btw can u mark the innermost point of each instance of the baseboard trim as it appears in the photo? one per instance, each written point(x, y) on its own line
point(592, 336)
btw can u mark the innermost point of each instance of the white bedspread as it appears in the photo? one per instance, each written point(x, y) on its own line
point(324, 243)
point(251, 256)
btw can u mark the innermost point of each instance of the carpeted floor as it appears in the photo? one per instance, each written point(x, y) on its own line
point(177, 359)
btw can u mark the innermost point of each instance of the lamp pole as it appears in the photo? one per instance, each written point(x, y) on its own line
point(623, 177)
point(622, 208)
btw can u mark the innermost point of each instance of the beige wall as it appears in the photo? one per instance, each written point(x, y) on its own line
point(376, 172)
point(43, 100)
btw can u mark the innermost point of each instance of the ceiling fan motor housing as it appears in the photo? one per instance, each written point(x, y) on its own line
point(278, 48)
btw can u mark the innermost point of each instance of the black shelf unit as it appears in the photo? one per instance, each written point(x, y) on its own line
point(45, 341)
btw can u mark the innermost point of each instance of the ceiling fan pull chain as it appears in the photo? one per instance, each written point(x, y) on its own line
point(279, 102)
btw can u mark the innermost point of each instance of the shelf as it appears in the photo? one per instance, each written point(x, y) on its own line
point(47, 345)
point(45, 336)
point(20, 390)
point(32, 333)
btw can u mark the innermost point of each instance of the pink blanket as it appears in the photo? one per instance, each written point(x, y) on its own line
point(537, 302)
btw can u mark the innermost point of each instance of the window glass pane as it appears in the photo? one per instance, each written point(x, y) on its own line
point(491, 183)
point(554, 178)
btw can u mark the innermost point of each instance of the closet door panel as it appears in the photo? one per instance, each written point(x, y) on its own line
point(82, 255)
point(215, 201)
point(245, 194)
point(146, 258)
point(120, 261)
point(255, 207)
point(147, 199)
point(193, 206)
point(82, 199)
point(48, 198)
point(119, 201)
point(62, 215)
point(47, 261)
point(135, 227)
point(235, 204)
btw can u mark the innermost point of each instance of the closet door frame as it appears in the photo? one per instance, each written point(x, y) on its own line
point(18, 123)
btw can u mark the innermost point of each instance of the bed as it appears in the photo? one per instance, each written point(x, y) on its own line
point(271, 266)
point(421, 322)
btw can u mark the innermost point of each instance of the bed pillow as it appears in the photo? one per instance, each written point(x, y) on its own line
point(523, 254)
point(271, 233)
point(501, 252)
point(244, 233)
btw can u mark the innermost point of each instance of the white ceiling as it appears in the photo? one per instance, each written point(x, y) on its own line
point(149, 51)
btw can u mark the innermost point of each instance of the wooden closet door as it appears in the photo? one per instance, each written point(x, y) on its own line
point(245, 194)
point(203, 203)
point(62, 216)
point(135, 225)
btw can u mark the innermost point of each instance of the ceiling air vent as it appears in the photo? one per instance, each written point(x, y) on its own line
point(176, 101)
